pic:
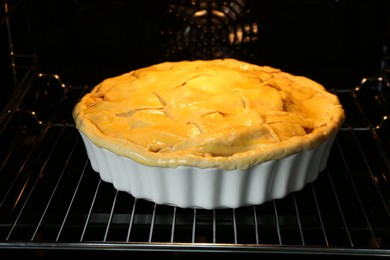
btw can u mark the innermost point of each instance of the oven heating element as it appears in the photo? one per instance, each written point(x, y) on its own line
point(205, 29)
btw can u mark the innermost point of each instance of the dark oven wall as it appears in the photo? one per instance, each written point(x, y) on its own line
point(335, 42)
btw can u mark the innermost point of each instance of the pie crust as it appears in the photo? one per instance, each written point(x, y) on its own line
point(225, 114)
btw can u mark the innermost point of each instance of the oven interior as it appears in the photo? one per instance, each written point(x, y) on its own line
point(53, 203)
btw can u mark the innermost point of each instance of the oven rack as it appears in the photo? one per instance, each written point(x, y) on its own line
point(52, 200)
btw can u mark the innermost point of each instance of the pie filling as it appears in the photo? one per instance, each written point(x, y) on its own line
point(218, 113)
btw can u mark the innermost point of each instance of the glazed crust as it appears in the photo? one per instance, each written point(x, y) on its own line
point(224, 114)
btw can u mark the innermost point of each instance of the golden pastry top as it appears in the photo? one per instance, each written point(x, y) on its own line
point(218, 113)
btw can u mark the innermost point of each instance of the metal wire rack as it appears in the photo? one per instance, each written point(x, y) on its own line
point(52, 199)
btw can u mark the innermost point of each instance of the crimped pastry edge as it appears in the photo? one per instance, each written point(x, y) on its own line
point(241, 160)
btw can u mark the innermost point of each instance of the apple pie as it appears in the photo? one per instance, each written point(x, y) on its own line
point(204, 118)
